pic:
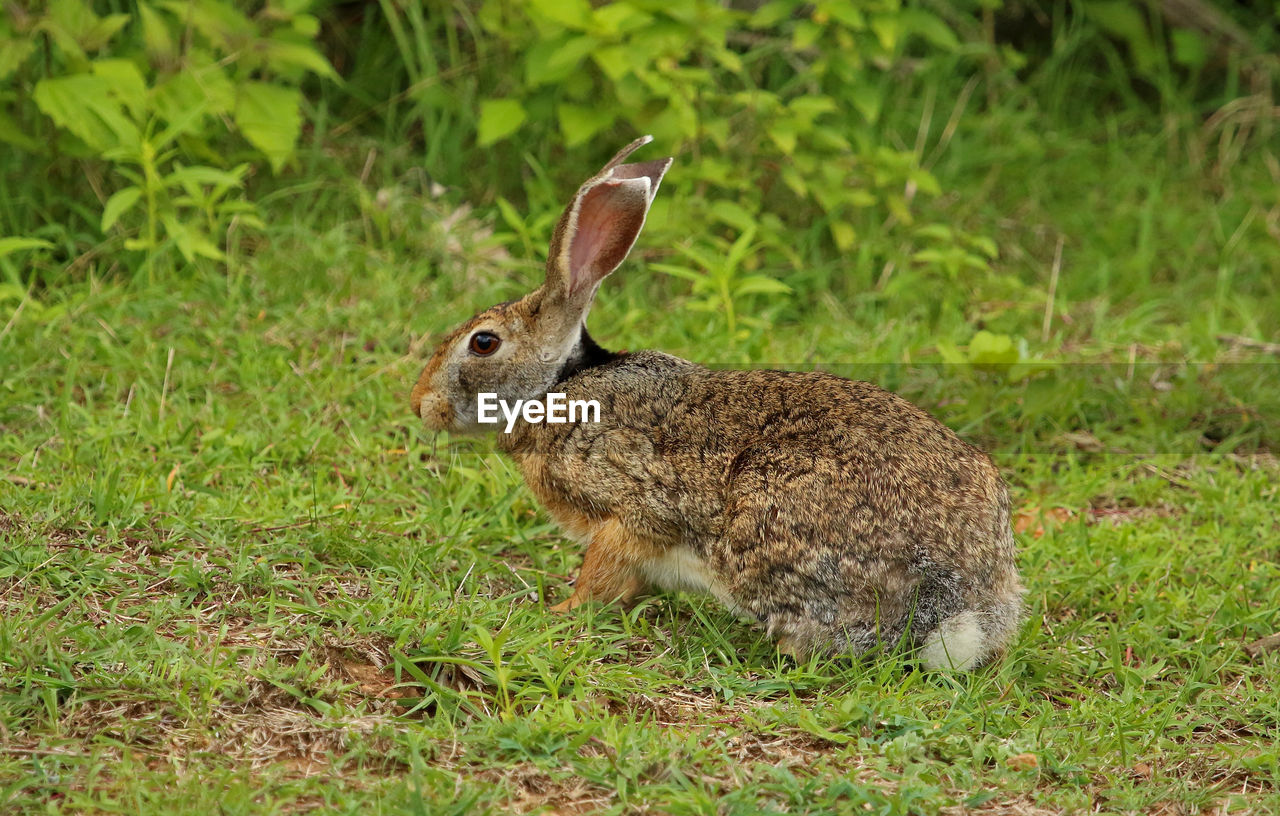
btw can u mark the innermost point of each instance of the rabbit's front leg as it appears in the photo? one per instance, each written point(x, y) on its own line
point(610, 569)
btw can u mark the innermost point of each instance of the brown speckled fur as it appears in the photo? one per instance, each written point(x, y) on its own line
point(837, 514)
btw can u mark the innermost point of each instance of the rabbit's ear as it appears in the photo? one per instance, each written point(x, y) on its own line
point(601, 225)
point(624, 152)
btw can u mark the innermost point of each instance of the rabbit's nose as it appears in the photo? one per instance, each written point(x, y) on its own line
point(415, 402)
point(419, 393)
point(434, 410)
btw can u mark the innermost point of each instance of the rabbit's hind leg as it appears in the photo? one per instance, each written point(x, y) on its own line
point(611, 568)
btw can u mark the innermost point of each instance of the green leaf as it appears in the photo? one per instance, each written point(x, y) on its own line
point(887, 28)
point(808, 108)
point(13, 244)
point(795, 181)
point(574, 14)
point(11, 291)
point(987, 349)
point(843, 234)
point(103, 31)
point(126, 84)
point(977, 263)
point(931, 257)
point(740, 248)
point(117, 205)
point(805, 34)
point(1189, 48)
point(249, 219)
point(929, 27)
point(733, 214)
point(308, 25)
point(925, 181)
point(1125, 20)
point(211, 176)
point(937, 232)
point(950, 354)
point(578, 123)
point(14, 52)
point(1118, 17)
point(184, 99)
point(556, 60)
point(511, 216)
point(706, 260)
point(676, 122)
point(898, 208)
point(770, 14)
point(191, 242)
point(613, 19)
point(979, 799)
point(202, 85)
point(760, 285)
point(728, 60)
point(221, 22)
point(155, 33)
point(290, 8)
point(616, 61)
point(303, 56)
point(268, 117)
point(682, 272)
point(64, 21)
point(15, 134)
point(866, 99)
point(499, 118)
point(860, 198)
point(76, 29)
point(783, 134)
point(846, 13)
point(83, 104)
point(984, 245)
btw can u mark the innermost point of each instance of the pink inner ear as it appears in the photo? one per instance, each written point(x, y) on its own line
point(610, 216)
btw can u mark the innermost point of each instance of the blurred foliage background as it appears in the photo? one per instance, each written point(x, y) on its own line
point(846, 148)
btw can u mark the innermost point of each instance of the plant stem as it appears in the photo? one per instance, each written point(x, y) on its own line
point(149, 186)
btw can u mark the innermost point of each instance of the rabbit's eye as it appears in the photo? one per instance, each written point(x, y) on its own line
point(484, 343)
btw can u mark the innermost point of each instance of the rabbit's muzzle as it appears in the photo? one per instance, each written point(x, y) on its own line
point(434, 410)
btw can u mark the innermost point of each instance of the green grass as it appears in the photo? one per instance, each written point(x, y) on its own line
point(235, 578)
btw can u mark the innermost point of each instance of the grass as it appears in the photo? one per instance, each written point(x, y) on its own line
point(234, 577)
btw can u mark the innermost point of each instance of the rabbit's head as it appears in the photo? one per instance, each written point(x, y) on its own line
point(519, 350)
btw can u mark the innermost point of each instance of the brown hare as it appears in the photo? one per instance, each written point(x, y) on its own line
point(838, 515)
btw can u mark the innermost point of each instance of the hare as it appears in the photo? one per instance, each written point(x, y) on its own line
point(837, 514)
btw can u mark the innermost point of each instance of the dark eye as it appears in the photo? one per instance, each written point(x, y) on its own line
point(484, 343)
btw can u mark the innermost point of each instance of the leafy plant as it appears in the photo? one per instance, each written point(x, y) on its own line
point(998, 354)
point(779, 108)
point(952, 251)
point(151, 94)
point(719, 282)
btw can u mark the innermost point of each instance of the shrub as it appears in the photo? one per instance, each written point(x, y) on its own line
point(777, 108)
point(148, 95)
point(780, 104)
